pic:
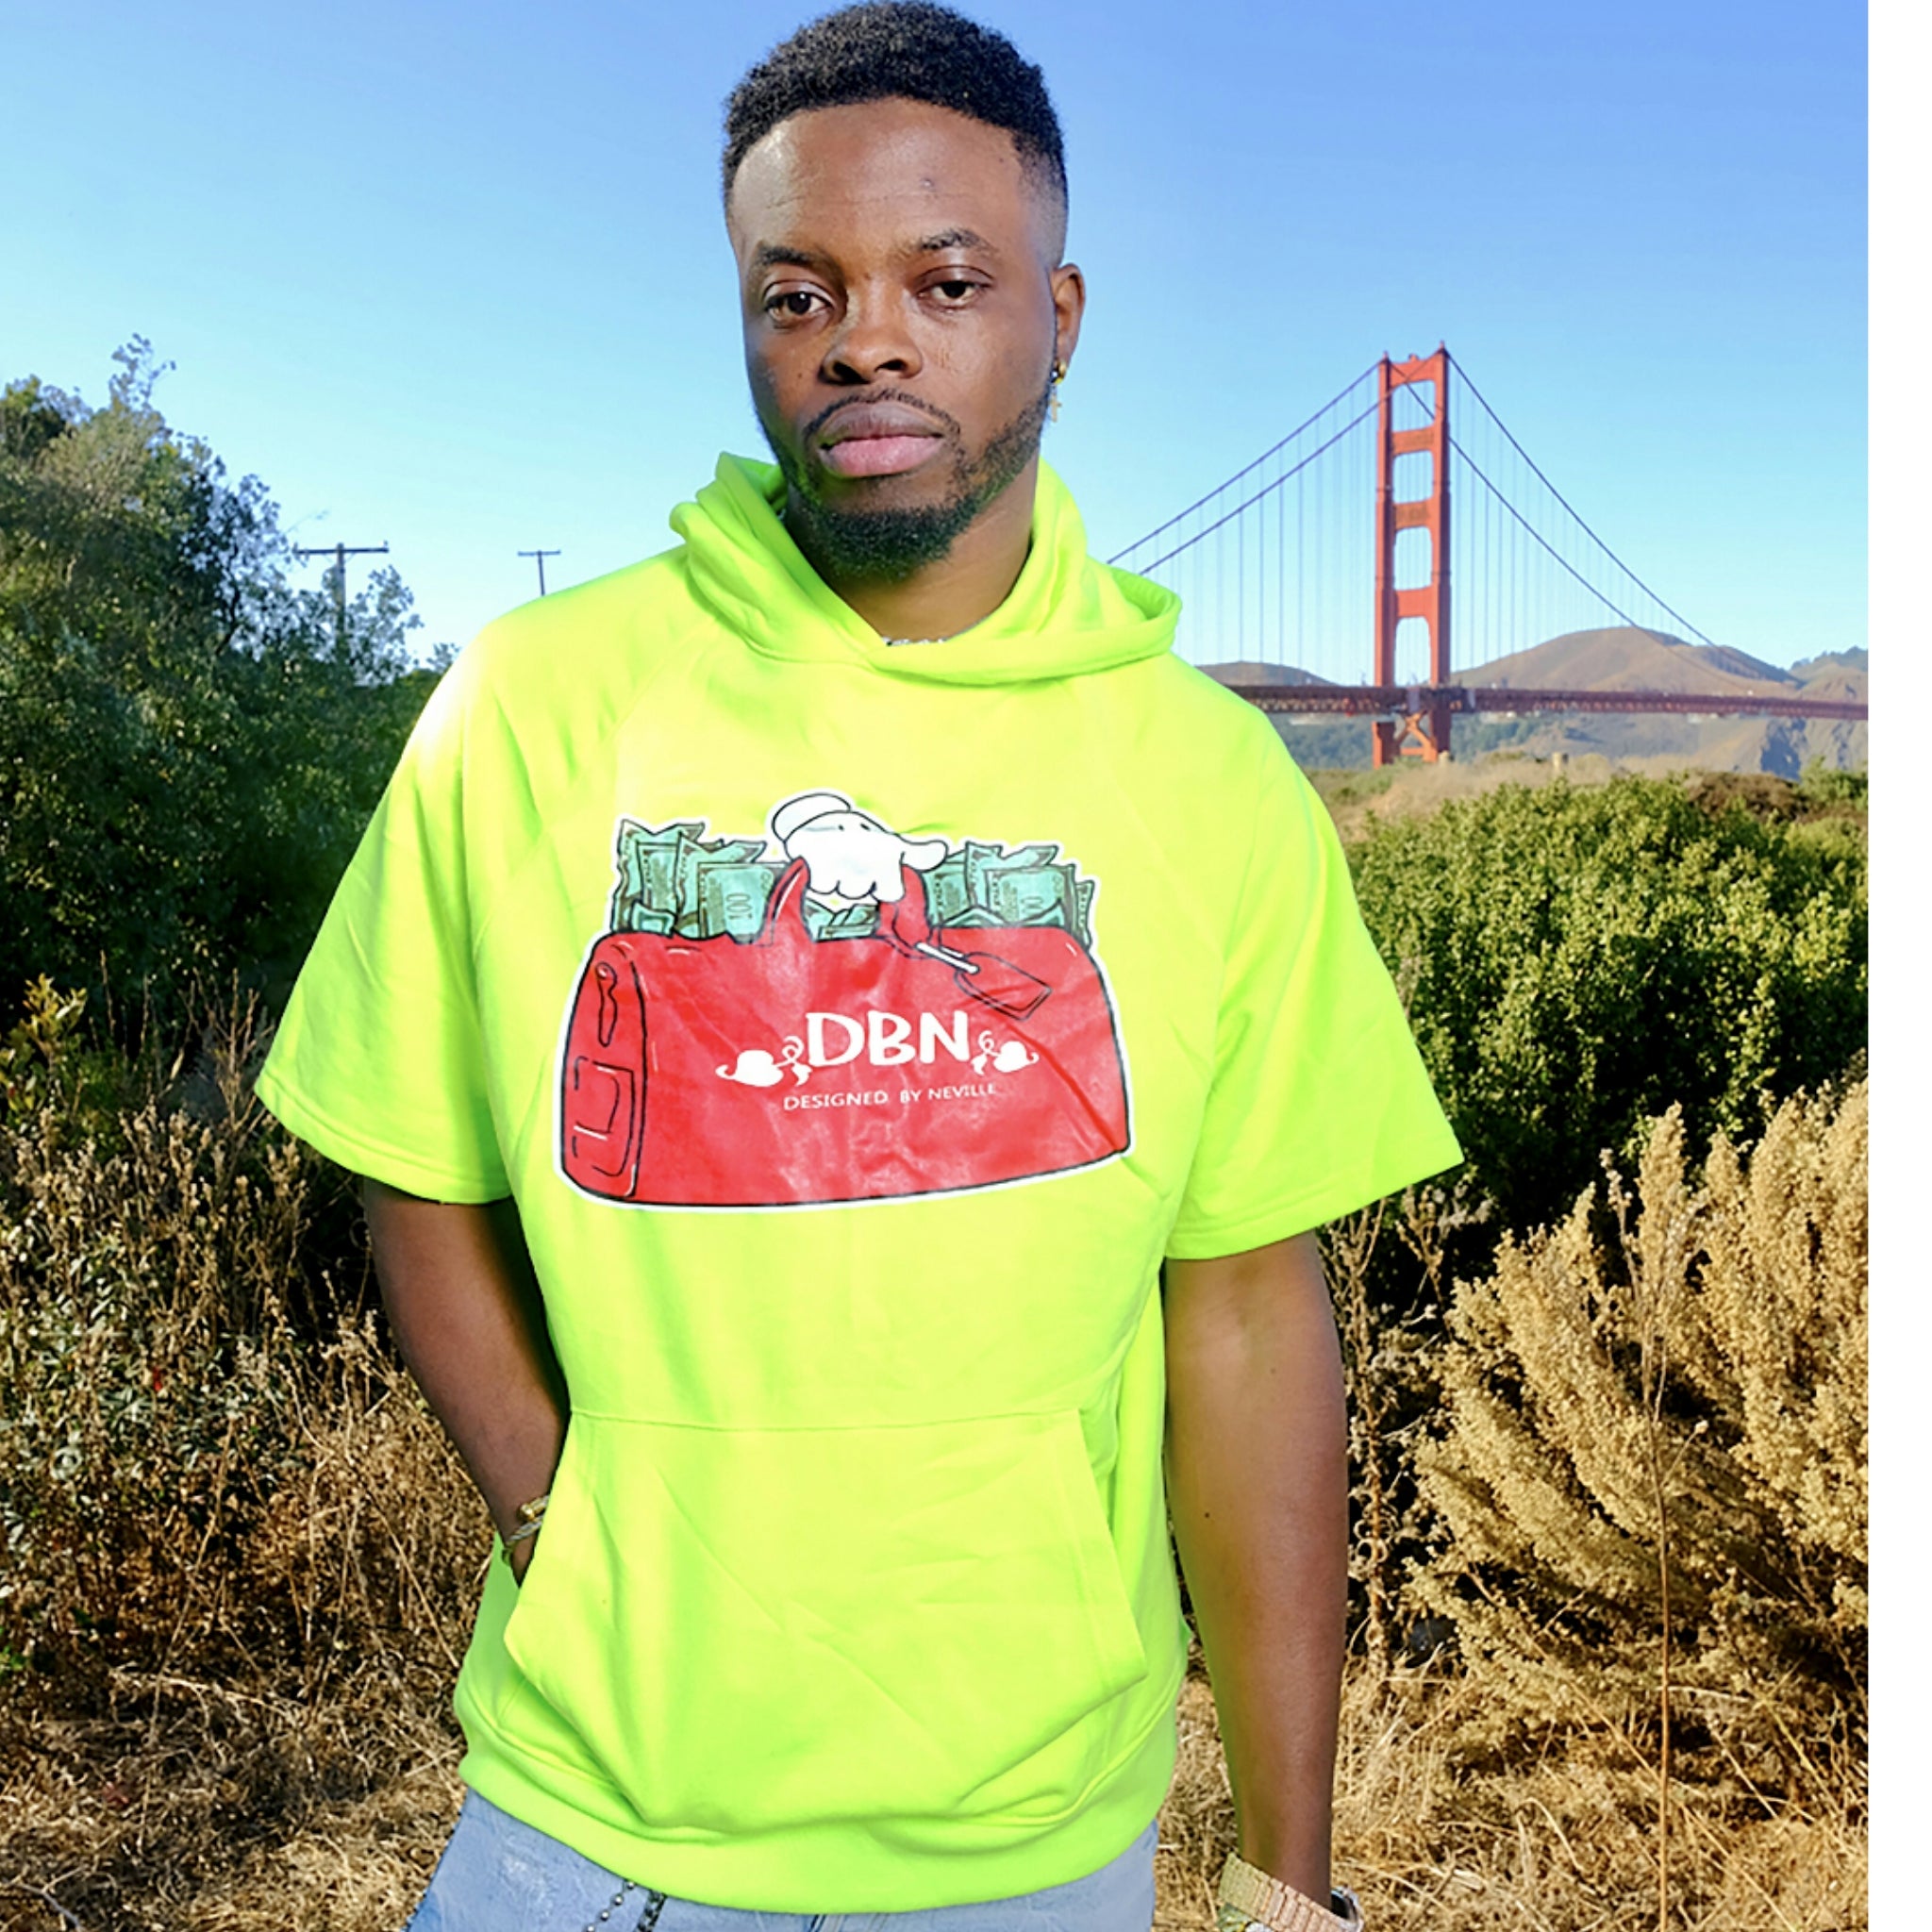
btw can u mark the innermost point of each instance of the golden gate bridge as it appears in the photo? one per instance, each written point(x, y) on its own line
point(1339, 537)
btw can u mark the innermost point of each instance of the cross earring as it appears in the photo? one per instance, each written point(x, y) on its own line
point(1059, 376)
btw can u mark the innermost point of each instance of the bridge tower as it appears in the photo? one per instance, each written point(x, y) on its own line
point(1422, 730)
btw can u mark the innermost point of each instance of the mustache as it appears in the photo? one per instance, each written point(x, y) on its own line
point(950, 423)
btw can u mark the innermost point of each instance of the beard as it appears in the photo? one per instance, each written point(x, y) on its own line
point(887, 545)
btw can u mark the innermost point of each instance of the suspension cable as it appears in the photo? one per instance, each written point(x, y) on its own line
point(1564, 501)
point(1228, 483)
point(1538, 535)
point(1266, 490)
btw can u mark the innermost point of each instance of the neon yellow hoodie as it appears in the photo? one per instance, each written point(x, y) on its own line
point(857, 1026)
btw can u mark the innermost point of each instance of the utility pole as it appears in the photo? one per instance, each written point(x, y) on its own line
point(342, 553)
point(540, 556)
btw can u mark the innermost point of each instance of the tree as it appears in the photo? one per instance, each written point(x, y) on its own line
point(188, 752)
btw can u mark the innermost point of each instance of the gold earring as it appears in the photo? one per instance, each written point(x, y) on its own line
point(1059, 376)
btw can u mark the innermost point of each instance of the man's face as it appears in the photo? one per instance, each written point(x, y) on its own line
point(904, 307)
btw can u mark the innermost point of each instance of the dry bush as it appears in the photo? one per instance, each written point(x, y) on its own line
point(1704, 1342)
point(1388, 1269)
point(1651, 1482)
point(240, 1555)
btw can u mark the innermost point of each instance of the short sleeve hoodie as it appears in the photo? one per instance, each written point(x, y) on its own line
point(858, 1027)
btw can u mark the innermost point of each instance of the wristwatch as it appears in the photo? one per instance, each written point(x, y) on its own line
point(1250, 1901)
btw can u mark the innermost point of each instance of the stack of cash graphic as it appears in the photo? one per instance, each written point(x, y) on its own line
point(986, 885)
point(673, 879)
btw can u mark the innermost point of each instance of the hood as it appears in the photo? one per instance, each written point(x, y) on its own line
point(1067, 614)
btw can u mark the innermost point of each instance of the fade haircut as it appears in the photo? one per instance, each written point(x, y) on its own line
point(908, 50)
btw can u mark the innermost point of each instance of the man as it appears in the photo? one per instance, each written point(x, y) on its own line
point(848, 1037)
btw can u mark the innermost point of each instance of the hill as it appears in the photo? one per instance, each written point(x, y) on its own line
point(1627, 657)
point(1617, 658)
point(1250, 671)
point(1859, 660)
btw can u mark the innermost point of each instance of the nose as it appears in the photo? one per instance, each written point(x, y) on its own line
point(873, 340)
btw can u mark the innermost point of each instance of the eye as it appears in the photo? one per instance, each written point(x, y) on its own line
point(791, 305)
point(954, 291)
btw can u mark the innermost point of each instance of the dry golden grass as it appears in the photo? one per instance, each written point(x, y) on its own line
point(1560, 1839)
point(198, 1811)
point(1650, 1485)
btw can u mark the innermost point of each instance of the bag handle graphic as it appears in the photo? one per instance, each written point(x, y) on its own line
point(907, 925)
point(785, 909)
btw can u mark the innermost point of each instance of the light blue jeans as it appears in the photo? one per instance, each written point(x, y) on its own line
point(498, 1874)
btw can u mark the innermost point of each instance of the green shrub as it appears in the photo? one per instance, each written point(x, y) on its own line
point(1575, 961)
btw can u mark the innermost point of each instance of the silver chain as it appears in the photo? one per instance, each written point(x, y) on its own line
point(603, 1917)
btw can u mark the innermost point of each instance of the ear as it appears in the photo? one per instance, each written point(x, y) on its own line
point(925, 855)
point(1069, 306)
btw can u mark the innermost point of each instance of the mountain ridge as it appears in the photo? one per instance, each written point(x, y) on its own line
point(1618, 658)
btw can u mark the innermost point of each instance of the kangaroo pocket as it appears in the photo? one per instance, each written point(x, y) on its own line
point(752, 1631)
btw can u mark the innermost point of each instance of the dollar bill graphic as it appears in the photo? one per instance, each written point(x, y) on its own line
point(732, 898)
point(984, 863)
point(947, 895)
point(645, 899)
point(696, 860)
point(1029, 885)
point(1034, 895)
point(986, 885)
point(840, 922)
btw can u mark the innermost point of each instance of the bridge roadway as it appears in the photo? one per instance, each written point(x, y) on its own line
point(1411, 700)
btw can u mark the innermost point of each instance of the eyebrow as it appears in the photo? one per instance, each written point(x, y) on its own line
point(780, 255)
point(951, 238)
point(776, 255)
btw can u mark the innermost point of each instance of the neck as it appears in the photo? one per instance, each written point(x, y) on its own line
point(950, 594)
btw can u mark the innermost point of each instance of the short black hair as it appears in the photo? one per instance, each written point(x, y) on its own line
point(899, 49)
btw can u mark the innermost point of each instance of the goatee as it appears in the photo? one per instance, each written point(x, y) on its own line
point(887, 545)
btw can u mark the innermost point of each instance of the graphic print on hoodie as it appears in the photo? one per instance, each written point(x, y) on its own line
point(836, 1013)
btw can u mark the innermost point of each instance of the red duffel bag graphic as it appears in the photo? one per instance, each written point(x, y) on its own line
point(734, 1059)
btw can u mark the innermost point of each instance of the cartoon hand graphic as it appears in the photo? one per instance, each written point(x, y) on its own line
point(849, 855)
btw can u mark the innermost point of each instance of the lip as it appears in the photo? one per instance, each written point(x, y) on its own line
point(878, 456)
point(877, 439)
point(857, 421)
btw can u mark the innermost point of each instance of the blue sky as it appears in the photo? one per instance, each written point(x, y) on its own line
point(455, 276)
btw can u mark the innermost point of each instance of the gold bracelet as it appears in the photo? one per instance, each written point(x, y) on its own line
point(529, 1521)
point(1248, 1897)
